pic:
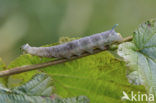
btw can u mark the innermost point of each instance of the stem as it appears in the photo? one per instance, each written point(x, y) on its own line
point(21, 69)
point(126, 39)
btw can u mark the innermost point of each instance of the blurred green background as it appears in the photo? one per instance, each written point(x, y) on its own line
point(40, 22)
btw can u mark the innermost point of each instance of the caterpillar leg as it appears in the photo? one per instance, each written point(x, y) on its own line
point(67, 56)
point(102, 47)
point(77, 51)
point(90, 51)
point(78, 54)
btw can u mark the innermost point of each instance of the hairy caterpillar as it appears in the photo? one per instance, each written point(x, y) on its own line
point(76, 47)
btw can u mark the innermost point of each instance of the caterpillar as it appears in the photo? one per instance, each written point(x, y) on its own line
point(76, 47)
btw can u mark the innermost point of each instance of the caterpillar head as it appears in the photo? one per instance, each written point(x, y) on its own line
point(25, 47)
point(114, 35)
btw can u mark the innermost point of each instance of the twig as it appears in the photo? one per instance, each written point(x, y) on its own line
point(126, 39)
point(21, 69)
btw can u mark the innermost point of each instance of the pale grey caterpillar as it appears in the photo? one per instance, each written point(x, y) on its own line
point(76, 47)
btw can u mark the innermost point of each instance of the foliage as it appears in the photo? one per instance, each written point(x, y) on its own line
point(141, 54)
point(100, 77)
point(38, 90)
point(23, 60)
point(3, 67)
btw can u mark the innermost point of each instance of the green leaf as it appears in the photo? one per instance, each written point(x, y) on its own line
point(39, 85)
point(35, 91)
point(3, 80)
point(100, 77)
point(2, 65)
point(23, 60)
point(141, 54)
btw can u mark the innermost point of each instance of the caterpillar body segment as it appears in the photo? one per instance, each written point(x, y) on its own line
point(76, 47)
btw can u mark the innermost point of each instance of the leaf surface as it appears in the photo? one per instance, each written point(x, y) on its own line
point(37, 90)
point(141, 54)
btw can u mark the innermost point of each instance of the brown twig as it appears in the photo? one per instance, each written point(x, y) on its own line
point(21, 69)
point(126, 39)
